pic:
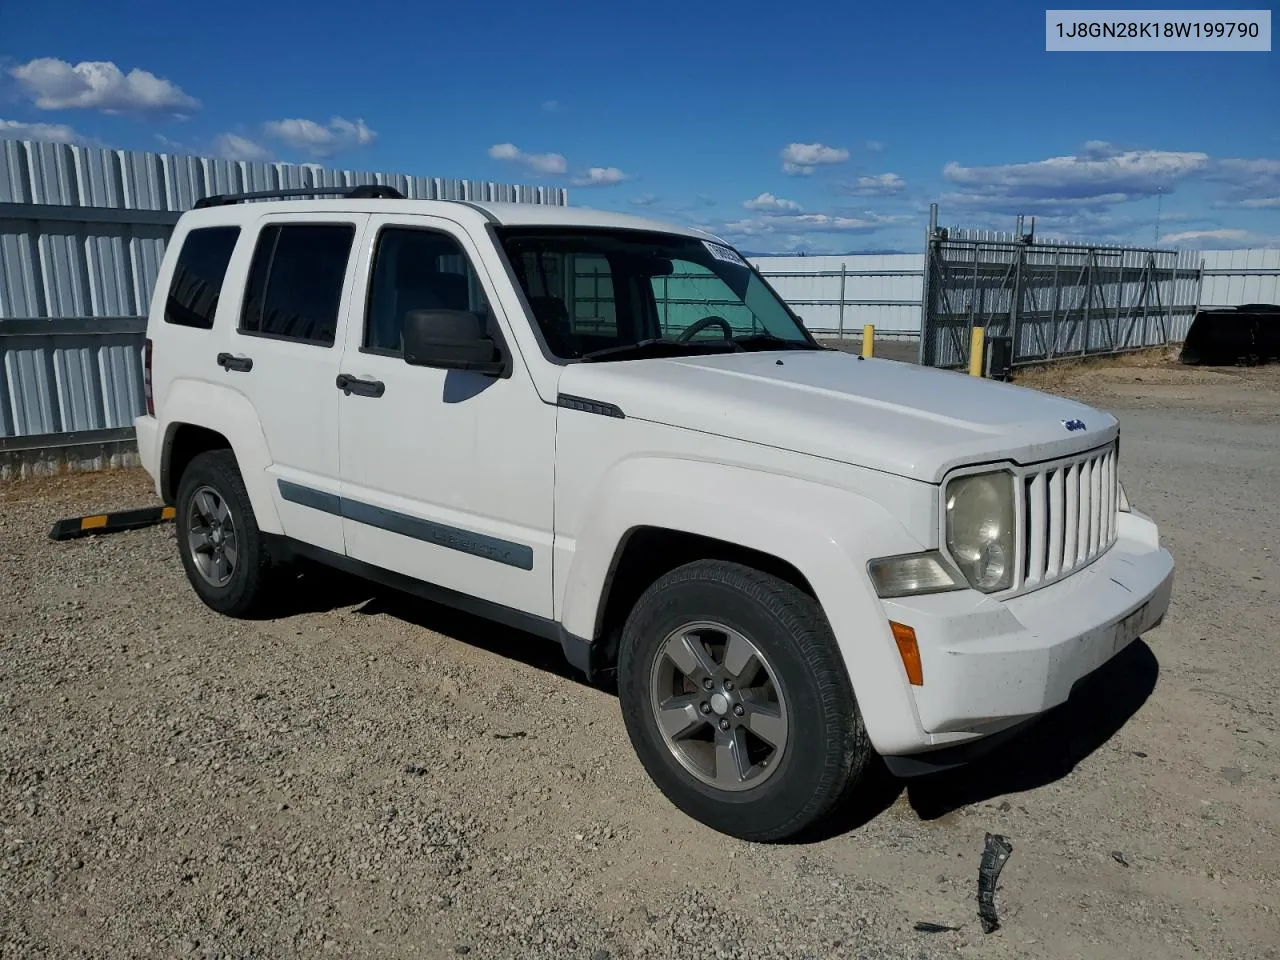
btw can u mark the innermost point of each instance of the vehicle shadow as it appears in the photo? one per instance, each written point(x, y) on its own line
point(1051, 748)
point(1045, 752)
point(317, 589)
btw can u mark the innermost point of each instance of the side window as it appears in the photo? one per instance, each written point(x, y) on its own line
point(692, 292)
point(417, 270)
point(295, 281)
point(197, 277)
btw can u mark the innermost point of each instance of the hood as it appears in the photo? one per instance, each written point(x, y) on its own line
point(913, 421)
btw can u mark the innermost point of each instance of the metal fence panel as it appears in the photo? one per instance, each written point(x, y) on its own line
point(82, 254)
point(1052, 299)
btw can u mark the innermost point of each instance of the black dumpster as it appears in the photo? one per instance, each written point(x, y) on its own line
point(1224, 336)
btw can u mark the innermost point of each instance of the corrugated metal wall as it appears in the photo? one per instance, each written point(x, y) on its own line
point(82, 233)
point(883, 290)
point(1233, 277)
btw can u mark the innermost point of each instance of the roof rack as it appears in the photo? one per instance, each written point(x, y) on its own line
point(365, 191)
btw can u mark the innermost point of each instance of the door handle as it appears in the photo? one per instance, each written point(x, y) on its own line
point(365, 388)
point(231, 362)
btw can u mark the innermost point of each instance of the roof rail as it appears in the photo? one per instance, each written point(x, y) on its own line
point(364, 191)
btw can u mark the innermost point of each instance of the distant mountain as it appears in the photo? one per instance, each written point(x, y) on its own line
point(847, 253)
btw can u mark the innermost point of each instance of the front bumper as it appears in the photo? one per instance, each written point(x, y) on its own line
point(991, 665)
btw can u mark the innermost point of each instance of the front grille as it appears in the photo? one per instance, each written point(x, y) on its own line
point(1069, 515)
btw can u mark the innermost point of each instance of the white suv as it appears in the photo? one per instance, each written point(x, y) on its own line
point(611, 433)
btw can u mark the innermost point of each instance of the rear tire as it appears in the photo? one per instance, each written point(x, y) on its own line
point(705, 729)
point(221, 547)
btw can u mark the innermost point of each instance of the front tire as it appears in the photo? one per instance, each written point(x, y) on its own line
point(737, 703)
point(221, 547)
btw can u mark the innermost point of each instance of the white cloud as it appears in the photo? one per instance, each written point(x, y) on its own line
point(232, 146)
point(768, 203)
point(50, 132)
point(873, 146)
point(1074, 193)
point(600, 177)
point(836, 224)
point(550, 106)
point(1041, 206)
point(644, 200)
point(799, 159)
point(1101, 174)
point(546, 164)
point(800, 224)
point(878, 185)
point(171, 145)
point(320, 140)
point(1225, 237)
point(53, 84)
point(1246, 179)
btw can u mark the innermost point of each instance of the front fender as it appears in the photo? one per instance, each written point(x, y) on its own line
point(231, 414)
point(825, 532)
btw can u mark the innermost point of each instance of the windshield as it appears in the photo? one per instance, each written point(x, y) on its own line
point(614, 294)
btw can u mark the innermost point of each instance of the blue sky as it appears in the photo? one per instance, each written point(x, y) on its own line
point(820, 127)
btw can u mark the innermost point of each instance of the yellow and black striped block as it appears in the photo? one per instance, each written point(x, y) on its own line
point(97, 523)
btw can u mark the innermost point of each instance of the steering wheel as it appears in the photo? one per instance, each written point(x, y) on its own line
point(702, 324)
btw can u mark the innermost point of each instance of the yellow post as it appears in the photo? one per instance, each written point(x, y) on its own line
point(868, 340)
point(976, 338)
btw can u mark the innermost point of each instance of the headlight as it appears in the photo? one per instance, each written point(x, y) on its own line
point(914, 573)
point(980, 529)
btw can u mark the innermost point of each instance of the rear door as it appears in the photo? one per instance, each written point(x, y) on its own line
point(284, 355)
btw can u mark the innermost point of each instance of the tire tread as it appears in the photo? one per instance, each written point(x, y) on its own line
point(849, 751)
point(249, 588)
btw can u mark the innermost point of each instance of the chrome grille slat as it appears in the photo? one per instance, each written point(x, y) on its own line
point(1114, 486)
point(1036, 524)
point(1108, 497)
point(1069, 515)
point(1082, 535)
point(1095, 504)
point(1056, 496)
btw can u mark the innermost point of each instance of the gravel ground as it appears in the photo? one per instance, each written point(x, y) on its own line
point(366, 775)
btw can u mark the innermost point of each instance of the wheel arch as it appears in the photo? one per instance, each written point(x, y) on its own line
point(646, 552)
point(200, 416)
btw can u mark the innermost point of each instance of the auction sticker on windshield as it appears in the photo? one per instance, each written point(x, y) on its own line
point(723, 253)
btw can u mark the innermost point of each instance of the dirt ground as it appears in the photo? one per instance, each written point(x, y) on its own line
point(367, 775)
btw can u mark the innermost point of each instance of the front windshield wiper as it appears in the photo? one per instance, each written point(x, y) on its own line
point(774, 341)
point(676, 348)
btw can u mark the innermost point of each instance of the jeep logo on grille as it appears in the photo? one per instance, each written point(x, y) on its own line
point(1073, 424)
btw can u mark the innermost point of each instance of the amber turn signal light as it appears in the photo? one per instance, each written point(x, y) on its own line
point(905, 637)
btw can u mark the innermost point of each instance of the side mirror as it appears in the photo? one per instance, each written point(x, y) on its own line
point(449, 340)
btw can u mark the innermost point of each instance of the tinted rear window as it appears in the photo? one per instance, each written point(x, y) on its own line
point(295, 281)
point(197, 276)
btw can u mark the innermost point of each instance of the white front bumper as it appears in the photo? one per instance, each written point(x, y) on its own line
point(989, 664)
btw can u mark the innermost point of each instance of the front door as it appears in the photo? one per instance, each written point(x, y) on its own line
point(446, 474)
